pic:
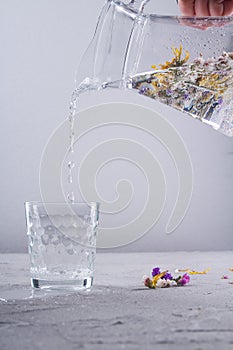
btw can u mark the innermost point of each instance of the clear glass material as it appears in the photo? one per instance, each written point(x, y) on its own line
point(62, 244)
point(183, 62)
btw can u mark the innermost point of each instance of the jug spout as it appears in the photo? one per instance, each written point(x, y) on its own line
point(118, 34)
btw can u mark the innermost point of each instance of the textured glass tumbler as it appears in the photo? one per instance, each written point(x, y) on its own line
point(62, 244)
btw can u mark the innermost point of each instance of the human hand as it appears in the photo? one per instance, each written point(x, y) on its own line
point(206, 7)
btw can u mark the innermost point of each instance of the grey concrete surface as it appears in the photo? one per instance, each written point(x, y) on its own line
point(120, 313)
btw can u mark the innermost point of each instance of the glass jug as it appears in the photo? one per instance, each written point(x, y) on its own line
point(184, 62)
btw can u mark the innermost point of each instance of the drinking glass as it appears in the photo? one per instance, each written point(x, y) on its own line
point(62, 244)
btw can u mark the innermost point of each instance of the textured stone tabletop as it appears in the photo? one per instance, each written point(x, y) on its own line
point(120, 313)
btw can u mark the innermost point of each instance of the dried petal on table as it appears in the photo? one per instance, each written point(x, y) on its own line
point(224, 277)
point(193, 272)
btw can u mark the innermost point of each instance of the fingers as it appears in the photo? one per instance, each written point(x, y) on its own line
point(202, 8)
point(206, 7)
point(216, 7)
point(228, 8)
point(187, 7)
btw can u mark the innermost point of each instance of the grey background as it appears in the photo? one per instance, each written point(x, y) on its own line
point(42, 43)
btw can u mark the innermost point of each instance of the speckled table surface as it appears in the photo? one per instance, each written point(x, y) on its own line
point(120, 313)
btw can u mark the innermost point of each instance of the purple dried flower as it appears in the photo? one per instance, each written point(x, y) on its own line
point(143, 90)
point(155, 271)
point(168, 92)
point(224, 277)
point(167, 276)
point(184, 279)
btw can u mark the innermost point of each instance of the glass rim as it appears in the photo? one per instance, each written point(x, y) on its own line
point(196, 18)
point(61, 203)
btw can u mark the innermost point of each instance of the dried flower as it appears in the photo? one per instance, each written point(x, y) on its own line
point(193, 272)
point(167, 276)
point(147, 282)
point(176, 61)
point(162, 283)
point(183, 280)
point(157, 277)
point(164, 279)
point(224, 277)
point(155, 271)
point(199, 88)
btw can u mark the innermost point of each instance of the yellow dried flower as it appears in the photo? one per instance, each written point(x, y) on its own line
point(176, 60)
point(193, 272)
point(157, 277)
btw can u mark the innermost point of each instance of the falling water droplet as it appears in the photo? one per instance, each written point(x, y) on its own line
point(71, 197)
point(70, 165)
